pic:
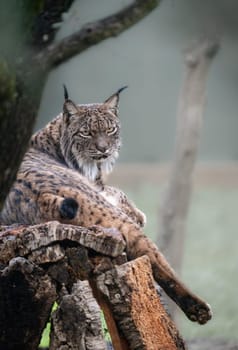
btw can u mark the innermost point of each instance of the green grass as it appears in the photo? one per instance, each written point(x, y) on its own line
point(210, 265)
point(45, 339)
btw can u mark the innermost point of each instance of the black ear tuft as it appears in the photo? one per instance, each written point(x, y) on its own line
point(69, 107)
point(112, 101)
point(66, 95)
point(121, 89)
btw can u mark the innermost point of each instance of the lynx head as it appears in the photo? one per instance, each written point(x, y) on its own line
point(91, 135)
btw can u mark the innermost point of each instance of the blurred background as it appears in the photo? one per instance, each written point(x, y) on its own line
point(149, 57)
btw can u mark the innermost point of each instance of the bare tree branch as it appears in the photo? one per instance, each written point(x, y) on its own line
point(95, 32)
point(174, 209)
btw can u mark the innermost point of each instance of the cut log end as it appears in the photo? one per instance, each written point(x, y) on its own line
point(133, 299)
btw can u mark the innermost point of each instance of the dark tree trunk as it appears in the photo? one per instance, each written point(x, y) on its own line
point(18, 111)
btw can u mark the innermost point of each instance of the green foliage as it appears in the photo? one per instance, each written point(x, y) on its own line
point(106, 333)
point(45, 339)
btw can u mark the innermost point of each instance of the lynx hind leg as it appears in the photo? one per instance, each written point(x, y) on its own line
point(117, 198)
point(194, 308)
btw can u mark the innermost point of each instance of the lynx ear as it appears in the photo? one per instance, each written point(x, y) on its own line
point(69, 107)
point(112, 101)
point(66, 94)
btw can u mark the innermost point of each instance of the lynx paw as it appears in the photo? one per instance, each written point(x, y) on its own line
point(138, 216)
point(200, 313)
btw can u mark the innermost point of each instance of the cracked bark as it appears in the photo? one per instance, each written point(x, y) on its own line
point(80, 310)
point(128, 292)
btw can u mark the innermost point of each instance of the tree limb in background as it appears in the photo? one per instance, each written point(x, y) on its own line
point(18, 109)
point(174, 209)
point(95, 32)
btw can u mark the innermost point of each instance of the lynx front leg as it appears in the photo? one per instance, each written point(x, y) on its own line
point(117, 198)
point(194, 308)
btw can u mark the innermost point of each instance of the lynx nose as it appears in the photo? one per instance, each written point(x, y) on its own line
point(102, 145)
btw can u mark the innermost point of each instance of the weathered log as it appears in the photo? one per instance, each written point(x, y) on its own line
point(26, 298)
point(27, 292)
point(130, 294)
point(125, 291)
point(26, 239)
point(76, 324)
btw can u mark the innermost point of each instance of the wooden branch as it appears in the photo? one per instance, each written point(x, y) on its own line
point(27, 239)
point(174, 209)
point(93, 33)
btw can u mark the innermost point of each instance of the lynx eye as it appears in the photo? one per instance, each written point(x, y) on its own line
point(112, 130)
point(85, 133)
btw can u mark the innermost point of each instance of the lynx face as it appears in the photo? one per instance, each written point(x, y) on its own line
point(91, 136)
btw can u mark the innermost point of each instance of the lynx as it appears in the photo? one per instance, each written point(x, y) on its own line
point(61, 178)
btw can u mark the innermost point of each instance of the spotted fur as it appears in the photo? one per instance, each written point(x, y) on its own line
point(84, 137)
point(60, 178)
